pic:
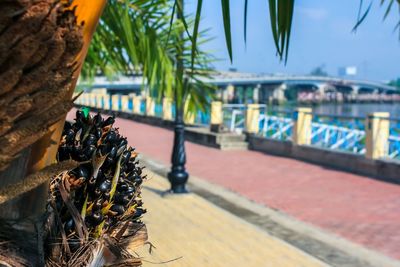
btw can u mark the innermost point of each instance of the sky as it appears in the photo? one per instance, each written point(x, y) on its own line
point(321, 36)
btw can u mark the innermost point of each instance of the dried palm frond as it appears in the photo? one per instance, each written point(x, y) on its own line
point(9, 192)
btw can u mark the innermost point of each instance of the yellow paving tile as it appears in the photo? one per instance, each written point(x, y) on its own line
point(200, 234)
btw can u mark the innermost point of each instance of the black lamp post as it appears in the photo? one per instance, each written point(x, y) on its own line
point(178, 175)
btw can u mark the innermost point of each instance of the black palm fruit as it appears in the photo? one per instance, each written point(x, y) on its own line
point(119, 209)
point(97, 120)
point(81, 171)
point(109, 121)
point(90, 140)
point(105, 153)
point(69, 135)
point(105, 186)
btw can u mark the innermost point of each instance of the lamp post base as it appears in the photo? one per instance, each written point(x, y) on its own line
point(178, 181)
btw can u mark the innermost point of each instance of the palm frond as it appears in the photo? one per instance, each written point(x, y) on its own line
point(227, 26)
point(140, 37)
point(362, 15)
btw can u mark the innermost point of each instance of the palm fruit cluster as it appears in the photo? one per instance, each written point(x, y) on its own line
point(39, 44)
point(106, 188)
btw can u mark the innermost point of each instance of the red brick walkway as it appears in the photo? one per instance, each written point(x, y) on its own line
point(362, 210)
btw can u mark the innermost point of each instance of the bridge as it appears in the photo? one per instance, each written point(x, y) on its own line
point(236, 87)
point(263, 88)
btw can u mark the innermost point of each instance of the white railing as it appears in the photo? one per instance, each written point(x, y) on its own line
point(394, 147)
point(338, 137)
point(234, 117)
point(234, 106)
point(237, 121)
point(275, 127)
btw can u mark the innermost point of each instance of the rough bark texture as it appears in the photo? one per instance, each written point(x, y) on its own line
point(39, 41)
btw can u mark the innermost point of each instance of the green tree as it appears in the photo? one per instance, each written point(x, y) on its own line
point(395, 83)
point(137, 37)
point(319, 71)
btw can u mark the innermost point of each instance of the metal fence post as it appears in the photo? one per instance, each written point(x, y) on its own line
point(302, 126)
point(377, 135)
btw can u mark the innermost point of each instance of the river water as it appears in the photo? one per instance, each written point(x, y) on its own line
point(351, 109)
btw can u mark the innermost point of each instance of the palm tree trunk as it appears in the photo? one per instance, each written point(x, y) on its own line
point(30, 141)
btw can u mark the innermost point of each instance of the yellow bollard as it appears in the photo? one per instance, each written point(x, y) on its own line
point(115, 102)
point(106, 102)
point(99, 101)
point(216, 116)
point(86, 99)
point(125, 103)
point(137, 101)
point(302, 126)
point(167, 109)
point(252, 117)
point(92, 99)
point(188, 117)
point(150, 106)
point(377, 135)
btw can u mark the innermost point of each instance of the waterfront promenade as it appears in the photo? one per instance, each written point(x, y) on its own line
point(359, 209)
point(189, 231)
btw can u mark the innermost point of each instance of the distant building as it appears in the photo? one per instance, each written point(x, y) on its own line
point(348, 71)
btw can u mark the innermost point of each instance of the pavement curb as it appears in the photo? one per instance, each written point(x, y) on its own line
point(325, 246)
